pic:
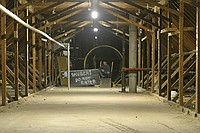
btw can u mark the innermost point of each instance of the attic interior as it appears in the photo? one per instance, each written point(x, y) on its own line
point(148, 44)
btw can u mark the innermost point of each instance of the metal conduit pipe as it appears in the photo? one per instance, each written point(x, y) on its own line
point(15, 17)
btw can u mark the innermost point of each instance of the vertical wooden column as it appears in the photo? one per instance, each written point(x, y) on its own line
point(49, 63)
point(148, 60)
point(27, 56)
point(181, 54)
point(159, 55)
point(39, 63)
point(53, 64)
point(16, 54)
point(123, 63)
point(3, 53)
point(34, 56)
point(45, 64)
point(198, 60)
point(153, 57)
point(169, 62)
point(143, 64)
point(139, 55)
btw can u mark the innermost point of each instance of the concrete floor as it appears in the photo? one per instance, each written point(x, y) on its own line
point(94, 110)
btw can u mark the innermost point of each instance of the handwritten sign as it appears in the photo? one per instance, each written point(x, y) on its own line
point(88, 77)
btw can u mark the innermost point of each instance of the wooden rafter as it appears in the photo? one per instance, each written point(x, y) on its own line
point(134, 14)
point(72, 30)
point(59, 13)
point(155, 3)
point(61, 19)
point(44, 9)
point(20, 7)
point(145, 10)
point(127, 20)
point(110, 30)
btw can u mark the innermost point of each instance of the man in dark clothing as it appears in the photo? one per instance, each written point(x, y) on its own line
point(104, 70)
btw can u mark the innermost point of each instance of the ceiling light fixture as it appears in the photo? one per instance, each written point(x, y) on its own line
point(94, 14)
point(96, 29)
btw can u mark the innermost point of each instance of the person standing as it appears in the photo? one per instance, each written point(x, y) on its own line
point(104, 70)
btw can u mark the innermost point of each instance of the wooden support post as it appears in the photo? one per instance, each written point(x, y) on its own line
point(52, 64)
point(45, 64)
point(123, 63)
point(169, 62)
point(16, 54)
point(148, 61)
point(27, 56)
point(139, 55)
point(3, 53)
point(143, 64)
point(153, 57)
point(49, 63)
point(34, 56)
point(198, 60)
point(181, 54)
point(159, 55)
point(39, 64)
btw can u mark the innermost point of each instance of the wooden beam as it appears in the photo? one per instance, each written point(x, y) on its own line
point(194, 3)
point(20, 7)
point(16, 58)
point(76, 31)
point(30, 8)
point(159, 54)
point(27, 56)
point(190, 100)
point(198, 60)
point(167, 30)
point(134, 14)
point(110, 30)
point(3, 53)
point(148, 61)
point(34, 56)
point(153, 57)
point(59, 13)
point(39, 63)
point(127, 20)
point(155, 3)
point(123, 62)
point(61, 19)
point(113, 27)
point(192, 81)
point(143, 62)
point(181, 54)
point(49, 63)
point(65, 34)
point(45, 62)
point(53, 64)
point(71, 29)
point(169, 62)
point(146, 10)
point(139, 55)
point(44, 9)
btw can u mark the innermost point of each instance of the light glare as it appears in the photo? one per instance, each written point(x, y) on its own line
point(94, 14)
point(95, 29)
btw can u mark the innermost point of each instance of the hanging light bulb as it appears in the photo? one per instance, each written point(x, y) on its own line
point(96, 29)
point(94, 14)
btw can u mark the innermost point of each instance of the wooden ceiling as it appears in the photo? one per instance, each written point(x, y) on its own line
point(65, 17)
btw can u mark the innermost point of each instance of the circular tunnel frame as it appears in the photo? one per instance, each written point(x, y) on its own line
point(101, 46)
